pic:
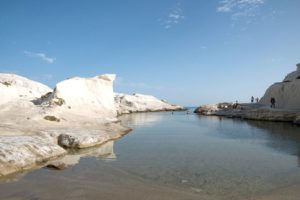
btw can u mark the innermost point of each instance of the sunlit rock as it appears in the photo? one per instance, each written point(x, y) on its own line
point(286, 93)
point(126, 103)
point(14, 87)
point(19, 153)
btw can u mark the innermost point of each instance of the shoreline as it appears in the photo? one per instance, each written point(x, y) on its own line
point(75, 139)
point(250, 111)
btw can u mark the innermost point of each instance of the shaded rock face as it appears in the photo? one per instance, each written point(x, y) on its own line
point(297, 119)
point(14, 87)
point(141, 103)
point(268, 114)
point(286, 93)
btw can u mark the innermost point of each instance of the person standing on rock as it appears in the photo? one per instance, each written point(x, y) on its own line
point(257, 99)
point(252, 99)
point(272, 102)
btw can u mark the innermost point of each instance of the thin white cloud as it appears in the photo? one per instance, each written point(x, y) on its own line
point(42, 56)
point(174, 17)
point(240, 8)
point(274, 60)
point(136, 85)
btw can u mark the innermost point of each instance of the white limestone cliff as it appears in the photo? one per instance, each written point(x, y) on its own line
point(82, 97)
point(14, 87)
point(141, 103)
point(286, 93)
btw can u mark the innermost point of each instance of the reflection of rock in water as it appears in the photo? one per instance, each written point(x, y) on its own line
point(105, 151)
point(12, 177)
point(283, 137)
point(137, 119)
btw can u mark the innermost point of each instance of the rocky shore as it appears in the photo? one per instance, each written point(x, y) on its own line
point(250, 111)
point(287, 106)
point(39, 124)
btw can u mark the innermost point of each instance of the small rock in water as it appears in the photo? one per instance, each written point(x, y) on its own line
point(56, 165)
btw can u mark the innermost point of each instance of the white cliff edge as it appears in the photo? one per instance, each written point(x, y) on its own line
point(126, 103)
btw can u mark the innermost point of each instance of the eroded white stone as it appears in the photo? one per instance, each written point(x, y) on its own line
point(141, 103)
point(19, 153)
point(14, 87)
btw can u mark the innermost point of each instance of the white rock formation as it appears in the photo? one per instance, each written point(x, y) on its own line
point(14, 87)
point(89, 97)
point(286, 93)
point(75, 115)
point(36, 122)
point(19, 153)
point(208, 109)
point(141, 103)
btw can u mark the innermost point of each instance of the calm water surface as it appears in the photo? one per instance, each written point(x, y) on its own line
point(174, 156)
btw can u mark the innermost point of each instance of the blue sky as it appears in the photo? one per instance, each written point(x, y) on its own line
point(189, 52)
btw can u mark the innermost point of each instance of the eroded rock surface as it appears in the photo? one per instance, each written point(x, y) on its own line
point(37, 122)
point(19, 153)
point(142, 103)
point(14, 87)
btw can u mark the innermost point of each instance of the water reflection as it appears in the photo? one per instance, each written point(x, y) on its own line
point(212, 154)
point(105, 151)
point(215, 157)
point(280, 136)
point(283, 137)
point(141, 119)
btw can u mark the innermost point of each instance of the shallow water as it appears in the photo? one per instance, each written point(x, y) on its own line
point(174, 156)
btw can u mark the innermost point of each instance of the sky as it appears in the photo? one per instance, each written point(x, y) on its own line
point(189, 52)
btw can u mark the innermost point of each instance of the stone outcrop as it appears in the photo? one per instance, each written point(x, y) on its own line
point(82, 96)
point(286, 93)
point(287, 105)
point(19, 153)
point(211, 109)
point(250, 111)
point(268, 114)
point(38, 124)
point(142, 103)
point(14, 87)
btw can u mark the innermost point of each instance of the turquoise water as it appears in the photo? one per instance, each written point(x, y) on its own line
point(184, 155)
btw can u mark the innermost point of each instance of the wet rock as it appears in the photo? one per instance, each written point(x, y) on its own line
point(67, 141)
point(56, 165)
